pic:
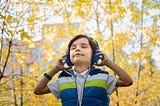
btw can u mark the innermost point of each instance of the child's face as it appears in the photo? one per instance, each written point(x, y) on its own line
point(81, 52)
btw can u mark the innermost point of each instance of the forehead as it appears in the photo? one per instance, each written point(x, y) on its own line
point(81, 41)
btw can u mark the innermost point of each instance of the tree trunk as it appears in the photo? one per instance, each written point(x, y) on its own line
point(21, 85)
point(113, 49)
point(14, 91)
point(140, 60)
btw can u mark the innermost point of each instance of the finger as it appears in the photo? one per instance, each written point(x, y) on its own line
point(64, 55)
point(98, 64)
point(62, 61)
point(99, 51)
point(101, 56)
point(66, 67)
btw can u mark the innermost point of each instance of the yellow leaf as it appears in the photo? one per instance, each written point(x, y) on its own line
point(31, 20)
point(1, 65)
point(32, 28)
point(2, 17)
point(122, 10)
point(9, 18)
point(13, 66)
point(4, 75)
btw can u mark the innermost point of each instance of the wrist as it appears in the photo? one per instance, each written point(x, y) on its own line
point(47, 76)
point(109, 62)
point(55, 70)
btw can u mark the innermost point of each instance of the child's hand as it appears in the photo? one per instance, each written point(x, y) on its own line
point(60, 65)
point(104, 59)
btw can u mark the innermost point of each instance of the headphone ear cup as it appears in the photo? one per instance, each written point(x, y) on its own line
point(67, 61)
point(95, 58)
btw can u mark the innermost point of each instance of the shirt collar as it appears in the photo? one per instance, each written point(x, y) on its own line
point(82, 73)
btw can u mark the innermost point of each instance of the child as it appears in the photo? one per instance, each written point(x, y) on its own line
point(83, 85)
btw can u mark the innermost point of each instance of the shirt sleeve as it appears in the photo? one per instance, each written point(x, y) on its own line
point(54, 88)
point(111, 84)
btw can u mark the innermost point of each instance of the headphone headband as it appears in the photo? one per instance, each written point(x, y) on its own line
point(95, 42)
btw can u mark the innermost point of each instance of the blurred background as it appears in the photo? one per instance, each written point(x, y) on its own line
point(34, 34)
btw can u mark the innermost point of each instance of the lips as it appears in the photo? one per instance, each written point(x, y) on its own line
point(77, 54)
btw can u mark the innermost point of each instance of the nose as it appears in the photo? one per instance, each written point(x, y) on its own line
point(77, 48)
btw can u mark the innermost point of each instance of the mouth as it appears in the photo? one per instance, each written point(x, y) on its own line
point(78, 54)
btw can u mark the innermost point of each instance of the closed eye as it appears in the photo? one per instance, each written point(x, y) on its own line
point(73, 47)
point(84, 45)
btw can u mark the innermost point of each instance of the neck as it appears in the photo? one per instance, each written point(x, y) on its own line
point(81, 68)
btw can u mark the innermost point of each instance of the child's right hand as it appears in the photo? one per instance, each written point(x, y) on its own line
point(60, 65)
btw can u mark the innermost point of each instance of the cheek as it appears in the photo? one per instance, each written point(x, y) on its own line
point(70, 54)
point(90, 55)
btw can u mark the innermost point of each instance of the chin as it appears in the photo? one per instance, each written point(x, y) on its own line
point(80, 63)
point(77, 61)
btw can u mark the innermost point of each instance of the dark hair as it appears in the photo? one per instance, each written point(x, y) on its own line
point(92, 43)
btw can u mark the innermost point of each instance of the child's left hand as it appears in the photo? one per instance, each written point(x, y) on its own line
point(104, 59)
